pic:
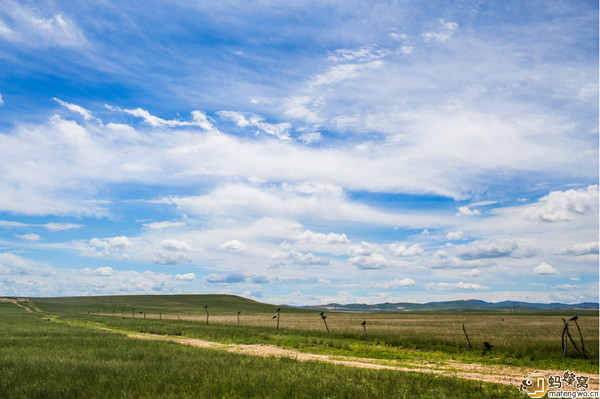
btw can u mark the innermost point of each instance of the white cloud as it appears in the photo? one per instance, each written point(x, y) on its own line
point(175, 245)
point(1, 100)
point(372, 261)
point(310, 137)
point(233, 245)
point(466, 211)
point(567, 287)
point(362, 54)
point(343, 72)
point(544, 269)
point(199, 119)
point(25, 277)
point(104, 271)
point(231, 278)
point(299, 258)
point(460, 286)
point(403, 250)
point(32, 27)
point(30, 237)
point(471, 273)
point(364, 249)
point(479, 249)
point(86, 114)
point(442, 259)
point(185, 277)
point(589, 248)
point(308, 236)
point(170, 258)
point(564, 206)
point(61, 226)
point(454, 235)
point(279, 130)
point(163, 225)
point(407, 282)
point(446, 30)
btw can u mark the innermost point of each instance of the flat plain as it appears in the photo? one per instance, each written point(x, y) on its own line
point(433, 345)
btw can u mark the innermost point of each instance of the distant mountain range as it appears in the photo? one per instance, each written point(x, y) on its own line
point(468, 305)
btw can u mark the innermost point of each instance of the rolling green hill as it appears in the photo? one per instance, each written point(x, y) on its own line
point(167, 304)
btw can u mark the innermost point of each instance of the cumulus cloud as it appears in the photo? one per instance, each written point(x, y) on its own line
point(310, 237)
point(170, 258)
point(300, 258)
point(460, 286)
point(589, 248)
point(564, 206)
point(233, 245)
point(175, 245)
point(544, 269)
point(364, 249)
point(471, 273)
point(104, 271)
point(404, 251)
point(454, 235)
point(466, 211)
point(442, 259)
point(479, 249)
point(372, 261)
point(24, 277)
point(119, 243)
point(185, 277)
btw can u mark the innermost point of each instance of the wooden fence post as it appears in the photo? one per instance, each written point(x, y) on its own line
point(468, 340)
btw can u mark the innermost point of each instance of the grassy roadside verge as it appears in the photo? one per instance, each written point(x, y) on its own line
point(42, 359)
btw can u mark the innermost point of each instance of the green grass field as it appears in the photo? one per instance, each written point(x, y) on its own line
point(531, 340)
point(41, 358)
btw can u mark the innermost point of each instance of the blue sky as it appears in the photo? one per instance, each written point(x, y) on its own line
point(300, 152)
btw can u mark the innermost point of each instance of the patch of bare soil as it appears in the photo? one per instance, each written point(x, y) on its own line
point(17, 301)
point(481, 372)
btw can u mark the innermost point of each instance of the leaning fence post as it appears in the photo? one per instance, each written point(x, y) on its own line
point(580, 336)
point(468, 340)
point(325, 321)
point(239, 311)
point(364, 324)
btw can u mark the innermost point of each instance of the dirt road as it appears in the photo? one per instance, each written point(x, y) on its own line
point(507, 375)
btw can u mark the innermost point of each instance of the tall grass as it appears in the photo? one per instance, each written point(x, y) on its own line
point(43, 359)
point(521, 340)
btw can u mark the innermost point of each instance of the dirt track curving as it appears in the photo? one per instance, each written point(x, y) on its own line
point(17, 301)
point(507, 375)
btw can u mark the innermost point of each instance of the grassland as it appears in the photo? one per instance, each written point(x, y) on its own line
point(40, 358)
point(528, 340)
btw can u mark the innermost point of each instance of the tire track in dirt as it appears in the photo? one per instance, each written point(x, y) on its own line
point(500, 374)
